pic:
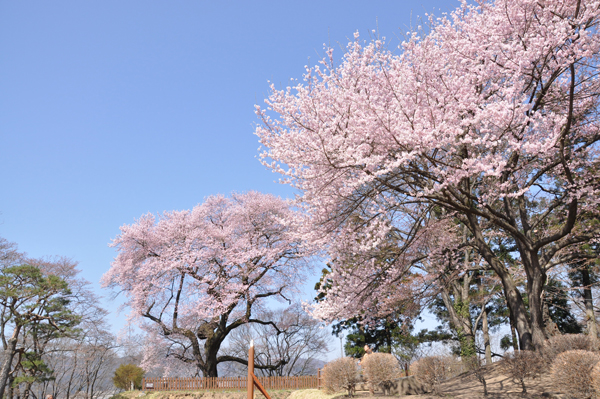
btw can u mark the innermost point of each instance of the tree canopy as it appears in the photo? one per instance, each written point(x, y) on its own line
point(128, 377)
point(490, 120)
point(194, 276)
point(34, 303)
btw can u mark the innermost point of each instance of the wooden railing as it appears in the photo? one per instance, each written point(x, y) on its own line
point(228, 383)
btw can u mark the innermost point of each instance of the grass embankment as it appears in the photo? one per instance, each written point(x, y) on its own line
point(314, 394)
point(233, 394)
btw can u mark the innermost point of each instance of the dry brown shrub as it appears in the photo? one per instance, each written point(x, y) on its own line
point(571, 373)
point(568, 342)
point(523, 364)
point(433, 370)
point(381, 370)
point(455, 366)
point(475, 365)
point(341, 374)
point(595, 374)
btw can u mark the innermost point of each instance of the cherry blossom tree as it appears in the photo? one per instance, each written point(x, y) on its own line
point(194, 276)
point(490, 118)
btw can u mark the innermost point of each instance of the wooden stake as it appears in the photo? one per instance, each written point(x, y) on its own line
point(251, 370)
point(260, 387)
point(252, 379)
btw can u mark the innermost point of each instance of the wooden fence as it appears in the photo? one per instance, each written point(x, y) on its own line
point(228, 383)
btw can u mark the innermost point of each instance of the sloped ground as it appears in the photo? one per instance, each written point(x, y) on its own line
point(499, 386)
point(466, 386)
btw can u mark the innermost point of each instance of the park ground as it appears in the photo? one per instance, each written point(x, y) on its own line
point(465, 386)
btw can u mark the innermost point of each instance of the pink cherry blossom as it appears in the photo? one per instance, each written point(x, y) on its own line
point(492, 116)
point(199, 273)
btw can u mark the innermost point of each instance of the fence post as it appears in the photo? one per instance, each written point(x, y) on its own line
point(318, 378)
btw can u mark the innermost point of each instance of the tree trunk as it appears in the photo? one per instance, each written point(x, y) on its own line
point(550, 327)
point(513, 332)
point(95, 377)
point(484, 321)
point(460, 321)
point(536, 280)
point(514, 300)
point(71, 376)
point(590, 316)
point(210, 367)
point(486, 337)
point(458, 309)
point(10, 354)
point(9, 392)
point(211, 348)
point(515, 303)
point(27, 390)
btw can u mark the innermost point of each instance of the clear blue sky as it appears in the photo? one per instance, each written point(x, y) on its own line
point(112, 109)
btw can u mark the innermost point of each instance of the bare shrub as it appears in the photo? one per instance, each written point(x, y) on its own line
point(341, 374)
point(571, 373)
point(595, 374)
point(479, 370)
point(455, 366)
point(433, 370)
point(381, 370)
point(568, 342)
point(523, 364)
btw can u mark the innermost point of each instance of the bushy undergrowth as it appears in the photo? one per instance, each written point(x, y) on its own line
point(563, 343)
point(341, 374)
point(381, 370)
point(479, 370)
point(571, 373)
point(433, 370)
point(595, 376)
point(523, 364)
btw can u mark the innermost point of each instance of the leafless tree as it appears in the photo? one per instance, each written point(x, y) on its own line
point(298, 342)
point(83, 366)
point(64, 362)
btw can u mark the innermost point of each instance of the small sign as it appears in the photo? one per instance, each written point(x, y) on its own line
point(149, 385)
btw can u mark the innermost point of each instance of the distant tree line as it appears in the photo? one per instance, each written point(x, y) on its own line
point(54, 335)
point(56, 339)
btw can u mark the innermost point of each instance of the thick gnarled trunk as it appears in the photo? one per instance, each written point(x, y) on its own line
point(513, 296)
point(536, 280)
point(211, 349)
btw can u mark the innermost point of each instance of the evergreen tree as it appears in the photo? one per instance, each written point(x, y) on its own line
point(33, 304)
